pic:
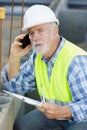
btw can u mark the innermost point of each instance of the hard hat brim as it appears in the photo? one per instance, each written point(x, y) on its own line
point(28, 27)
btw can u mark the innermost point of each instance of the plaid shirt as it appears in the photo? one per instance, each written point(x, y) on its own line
point(76, 77)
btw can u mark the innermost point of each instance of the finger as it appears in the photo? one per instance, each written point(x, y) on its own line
point(41, 109)
point(44, 104)
point(16, 44)
point(48, 115)
point(21, 36)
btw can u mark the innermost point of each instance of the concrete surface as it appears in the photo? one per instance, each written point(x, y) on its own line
point(9, 109)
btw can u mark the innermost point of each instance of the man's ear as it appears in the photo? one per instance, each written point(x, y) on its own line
point(56, 31)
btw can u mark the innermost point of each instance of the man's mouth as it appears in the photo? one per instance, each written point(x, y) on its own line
point(38, 45)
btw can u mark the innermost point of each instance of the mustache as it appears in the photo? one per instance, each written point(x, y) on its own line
point(38, 42)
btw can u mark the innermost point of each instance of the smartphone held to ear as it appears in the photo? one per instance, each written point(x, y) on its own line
point(25, 41)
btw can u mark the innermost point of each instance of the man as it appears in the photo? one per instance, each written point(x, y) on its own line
point(57, 66)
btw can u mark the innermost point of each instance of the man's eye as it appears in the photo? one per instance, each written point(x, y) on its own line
point(31, 33)
point(41, 31)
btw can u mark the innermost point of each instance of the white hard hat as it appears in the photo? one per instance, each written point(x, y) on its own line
point(38, 14)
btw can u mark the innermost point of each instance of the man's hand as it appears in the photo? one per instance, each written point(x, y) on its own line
point(53, 111)
point(16, 49)
point(16, 53)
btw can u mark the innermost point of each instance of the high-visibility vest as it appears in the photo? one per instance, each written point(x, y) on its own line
point(57, 88)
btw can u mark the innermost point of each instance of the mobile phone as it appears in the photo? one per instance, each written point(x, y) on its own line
point(25, 41)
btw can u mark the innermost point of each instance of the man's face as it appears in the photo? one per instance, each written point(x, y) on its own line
point(41, 37)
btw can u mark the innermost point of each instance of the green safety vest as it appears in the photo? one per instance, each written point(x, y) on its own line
point(57, 88)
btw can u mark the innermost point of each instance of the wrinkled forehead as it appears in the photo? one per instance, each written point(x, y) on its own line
point(46, 25)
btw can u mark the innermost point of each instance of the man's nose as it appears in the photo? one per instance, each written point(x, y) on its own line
point(35, 36)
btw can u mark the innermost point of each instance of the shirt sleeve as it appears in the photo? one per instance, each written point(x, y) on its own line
point(77, 79)
point(25, 80)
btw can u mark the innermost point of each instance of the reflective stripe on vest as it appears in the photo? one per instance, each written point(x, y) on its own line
point(57, 88)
